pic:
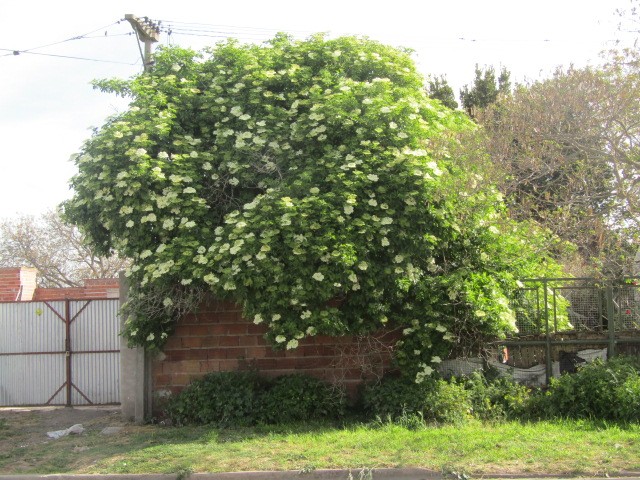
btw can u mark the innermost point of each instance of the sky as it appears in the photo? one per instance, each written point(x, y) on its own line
point(48, 106)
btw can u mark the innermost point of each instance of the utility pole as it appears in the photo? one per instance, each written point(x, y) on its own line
point(148, 32)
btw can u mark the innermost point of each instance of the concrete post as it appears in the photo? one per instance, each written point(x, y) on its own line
point(133, 371)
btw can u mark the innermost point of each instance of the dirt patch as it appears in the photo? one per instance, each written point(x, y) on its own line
point(29, 426)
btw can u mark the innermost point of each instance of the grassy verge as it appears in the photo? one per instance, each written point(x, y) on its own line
point(574, 447)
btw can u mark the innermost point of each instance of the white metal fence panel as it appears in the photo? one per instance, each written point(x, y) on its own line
point(97, 376)
point(59, 353)
point(32, 379)
point(96, 363)
point(31, 327)
point(95, 325)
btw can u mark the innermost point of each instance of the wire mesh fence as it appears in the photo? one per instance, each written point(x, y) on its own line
point(555, 305)
point(563, 322)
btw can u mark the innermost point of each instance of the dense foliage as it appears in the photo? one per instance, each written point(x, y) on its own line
point(297, 397)
point(433, 400)
point(223, 398)
point(448, 401)
point(599, 390)
point(245, 398)
point(311, 182)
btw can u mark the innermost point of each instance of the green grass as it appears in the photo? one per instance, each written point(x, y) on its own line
point(565, 447)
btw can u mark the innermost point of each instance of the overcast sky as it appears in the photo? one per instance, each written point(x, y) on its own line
point(47, 106)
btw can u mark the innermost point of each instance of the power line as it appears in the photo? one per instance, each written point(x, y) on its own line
point(197, 30)
point(128, 34)
point(20, 52)
point(77, 37)
point(209, 26)
point(216, 30)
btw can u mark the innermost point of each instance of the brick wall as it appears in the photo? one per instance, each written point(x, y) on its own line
point(217, 338)
point(17, 284)
point(93, 288)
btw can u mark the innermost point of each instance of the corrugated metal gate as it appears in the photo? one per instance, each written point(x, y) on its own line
point(63, 352)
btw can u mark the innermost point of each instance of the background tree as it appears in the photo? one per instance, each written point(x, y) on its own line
point(485, 89)
point(310, 182)
point(56, 249)
point(630, 20)
point(439, 89)
point(566, 150)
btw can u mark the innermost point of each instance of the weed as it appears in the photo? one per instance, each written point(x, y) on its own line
point(183, 473)
point(363, 474)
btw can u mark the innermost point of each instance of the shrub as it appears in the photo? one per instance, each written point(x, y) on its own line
point(394, 397)
point(235, 399)
point(397, 398)
point(627, 395)
point(221, 398)
point(449, 402)
point(299, 397)
point(498, 398)
point(598, 390)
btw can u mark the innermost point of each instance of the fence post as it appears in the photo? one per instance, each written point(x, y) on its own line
point(67, 349)
point(611, 324)
point(133, 371)
point(547, 334)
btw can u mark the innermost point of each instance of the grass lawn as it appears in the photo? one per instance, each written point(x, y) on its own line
point(568, 447)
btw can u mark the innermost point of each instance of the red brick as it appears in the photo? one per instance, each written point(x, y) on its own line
point(285, 363)
point(216, 353)
point(217, 329)
point(210, 366)
point(181, 379)
point(227, 317)
point(237, 329)
point(181, 331)
point(162, 380)
point(256, 329)
point(276, 353)
point(307, 362)
point(172, 343)
point(256, 352)
point(171, 367)
point(228, 365)
point(248, 340)
point(199, 330)
point(229, 341)
point(210, 341)
point(196, 354)
point(192, 342)
point(156, 368)
point(175, 356)
point(265, 363)
point(311, 350)
point(239, 352)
